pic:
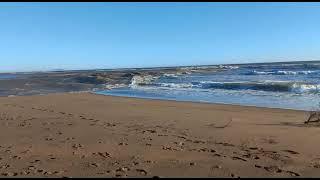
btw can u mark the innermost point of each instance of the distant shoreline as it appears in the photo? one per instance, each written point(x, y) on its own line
point(159, 67)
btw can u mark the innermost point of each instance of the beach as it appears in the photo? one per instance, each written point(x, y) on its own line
point(90, 135)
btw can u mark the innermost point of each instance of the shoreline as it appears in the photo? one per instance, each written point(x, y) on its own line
point(201, 102)
point(155, 99)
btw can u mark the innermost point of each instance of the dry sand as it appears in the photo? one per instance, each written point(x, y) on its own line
point(87, 135)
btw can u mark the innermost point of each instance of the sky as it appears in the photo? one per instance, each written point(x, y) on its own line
point(47, 36)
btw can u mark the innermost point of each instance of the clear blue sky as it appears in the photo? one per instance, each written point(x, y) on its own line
point(43, 36)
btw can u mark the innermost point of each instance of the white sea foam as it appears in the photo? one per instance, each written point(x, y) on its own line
point(176, 85)
point(172, 75)
point(113, 86)
point(271, 86)
point(305, 88)
point(282, 72)
point(141, 80)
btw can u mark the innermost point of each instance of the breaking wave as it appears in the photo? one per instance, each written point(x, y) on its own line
point(142, 80)
point(281, 72)
point(274, 86)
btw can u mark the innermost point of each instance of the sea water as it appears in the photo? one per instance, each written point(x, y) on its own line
point(274, 85)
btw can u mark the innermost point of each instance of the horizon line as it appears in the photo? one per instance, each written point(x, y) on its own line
point(151, 67)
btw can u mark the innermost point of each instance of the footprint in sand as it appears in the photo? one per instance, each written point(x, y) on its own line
point(16, 157)
point(142, 171)
point(5, 166)
point(290, 151)
point(49, 139)
point(225, 144)
point(168, 148)
point(276, 169)
point(217, 155)
point(9, 174)
point(123, 144)
point(103, 154)
point(316, 165)
point(95, 165)
point(198, 141)
point(238, 158)
point(123, 169)
point(181, 137)
point(77, 146)
point(162, 135)
point(35, 161)
point(234, 175)
point(293, 173)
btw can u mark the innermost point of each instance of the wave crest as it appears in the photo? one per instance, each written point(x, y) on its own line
point(281, 72)
point(273, 86)
point(141, 80)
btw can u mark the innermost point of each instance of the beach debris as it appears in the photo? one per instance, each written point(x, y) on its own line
point(224, 126)
point(314, 116)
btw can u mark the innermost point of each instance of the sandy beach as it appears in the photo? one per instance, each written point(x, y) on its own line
point(88, 135)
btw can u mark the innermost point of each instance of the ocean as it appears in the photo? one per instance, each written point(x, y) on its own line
point(294, 85)
point(7, 76)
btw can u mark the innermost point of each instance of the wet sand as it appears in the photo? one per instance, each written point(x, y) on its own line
point(88, 135)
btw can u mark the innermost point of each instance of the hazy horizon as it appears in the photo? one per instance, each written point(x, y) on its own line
point(55, 69)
